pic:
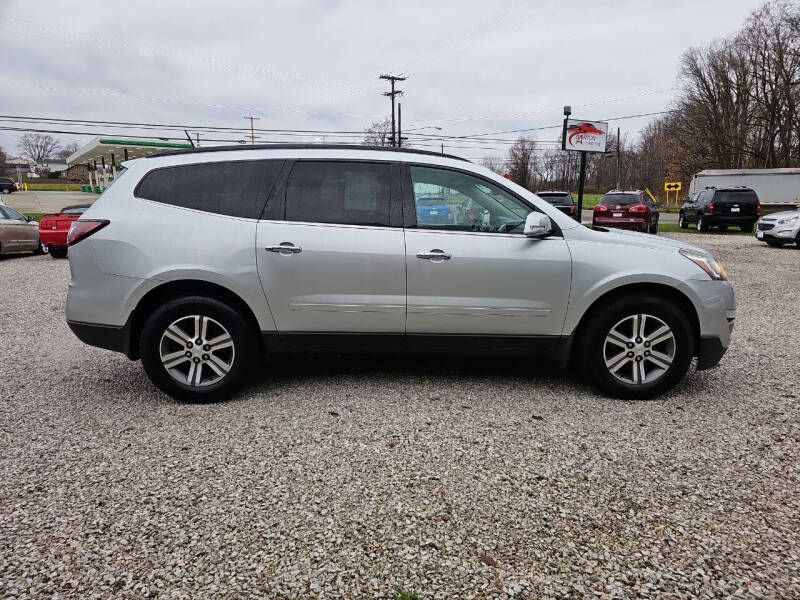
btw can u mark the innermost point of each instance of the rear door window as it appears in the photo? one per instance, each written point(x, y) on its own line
point(736, 197)
point(236, 188)
point(339, 192)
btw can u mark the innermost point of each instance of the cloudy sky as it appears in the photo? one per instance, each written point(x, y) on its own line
point(472, 67)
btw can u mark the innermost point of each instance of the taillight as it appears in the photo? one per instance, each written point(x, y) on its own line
point(82, 229)
point(600, 208)
point(638, 208)
point(758, 207)
point(710, 207)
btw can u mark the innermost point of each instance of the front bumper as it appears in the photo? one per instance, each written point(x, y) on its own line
point(779, 233)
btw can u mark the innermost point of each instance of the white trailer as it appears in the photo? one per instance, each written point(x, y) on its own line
point(779, 188)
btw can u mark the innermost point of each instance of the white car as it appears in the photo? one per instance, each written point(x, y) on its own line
point(201, 262)
point(780, 228)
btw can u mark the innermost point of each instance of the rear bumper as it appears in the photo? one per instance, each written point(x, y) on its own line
point(624, 223)
point(109, 337)
point(53, 238)
point(730, 219)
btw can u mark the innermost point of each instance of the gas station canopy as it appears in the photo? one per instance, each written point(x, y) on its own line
point(113, 151)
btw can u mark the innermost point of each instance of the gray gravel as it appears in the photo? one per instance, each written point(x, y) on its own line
point(334, 478)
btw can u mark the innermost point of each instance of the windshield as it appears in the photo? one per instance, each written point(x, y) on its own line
point(621, 199)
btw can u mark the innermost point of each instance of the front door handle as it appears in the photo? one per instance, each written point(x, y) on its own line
point(435, 255)
point(284, 248)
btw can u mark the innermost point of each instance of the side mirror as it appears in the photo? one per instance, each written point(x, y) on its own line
point(537, 225)
point(28, 218)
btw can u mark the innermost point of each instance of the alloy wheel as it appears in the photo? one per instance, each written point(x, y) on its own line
point(197, 350)
point(639, 349)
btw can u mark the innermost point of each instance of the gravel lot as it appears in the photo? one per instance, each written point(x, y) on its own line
point(341, 478)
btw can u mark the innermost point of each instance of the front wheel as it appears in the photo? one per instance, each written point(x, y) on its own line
point(682, 222)
point(637, 347)
point(774, 244)
point(198, 349)
point(701, 224)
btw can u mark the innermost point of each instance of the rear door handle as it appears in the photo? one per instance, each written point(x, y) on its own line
point(285, 248)
point(435, 255)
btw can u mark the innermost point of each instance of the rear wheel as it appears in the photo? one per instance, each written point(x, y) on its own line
point(723, 227)
point(637, 346)
point(6, 191)
point(198, 349)
point(701, 224)
point(58, 251)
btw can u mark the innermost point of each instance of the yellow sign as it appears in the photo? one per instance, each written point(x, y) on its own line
point(672, 186)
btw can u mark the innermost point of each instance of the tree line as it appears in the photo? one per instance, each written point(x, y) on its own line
point(737, 107)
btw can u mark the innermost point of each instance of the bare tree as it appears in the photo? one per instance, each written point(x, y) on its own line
point(521, 162)
point(379, 133)
point(66, 151)
point(3, 155)
point(37, 147)
point(494, 164)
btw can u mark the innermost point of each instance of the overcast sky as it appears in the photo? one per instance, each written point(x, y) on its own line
point(472, 67)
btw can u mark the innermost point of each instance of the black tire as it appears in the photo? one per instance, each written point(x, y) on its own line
point(748, 227)
point(682, 222)
point(600, 323)
point(723, 227)
point(39, 248)
point(58, 251)
point(797, 241)
point(774, 244)
point(246, 351)
point(653, 228)
point(701, 224)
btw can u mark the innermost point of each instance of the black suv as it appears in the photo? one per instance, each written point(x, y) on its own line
point(561, 199)
point(7, 185)
point(721, 207)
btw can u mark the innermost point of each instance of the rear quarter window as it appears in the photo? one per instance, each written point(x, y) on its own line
point(234, 188)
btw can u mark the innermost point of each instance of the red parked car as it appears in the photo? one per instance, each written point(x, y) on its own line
point(626, 209)
point(53, 228)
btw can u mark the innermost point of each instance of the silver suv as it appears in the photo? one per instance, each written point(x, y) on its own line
point(203, 262)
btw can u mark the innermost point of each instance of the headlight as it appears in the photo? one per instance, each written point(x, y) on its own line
point(707, 262)
point(788, 220)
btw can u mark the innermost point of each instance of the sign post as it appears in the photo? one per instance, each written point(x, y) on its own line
point(672, 186)
point(582, 136)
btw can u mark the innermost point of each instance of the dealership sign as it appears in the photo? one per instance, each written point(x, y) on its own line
point(585, 136)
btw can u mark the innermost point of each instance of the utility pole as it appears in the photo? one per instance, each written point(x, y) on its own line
point(619, 166)
point(399, 125)
point(392, 79)
point(252, 130)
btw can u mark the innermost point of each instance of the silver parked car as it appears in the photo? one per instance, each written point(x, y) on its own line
point(18, 233)
point(202, 262)
point(780, 228)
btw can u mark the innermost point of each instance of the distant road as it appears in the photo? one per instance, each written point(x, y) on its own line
point(46, 202)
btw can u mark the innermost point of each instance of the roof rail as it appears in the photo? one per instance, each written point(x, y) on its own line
point(242, 147)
